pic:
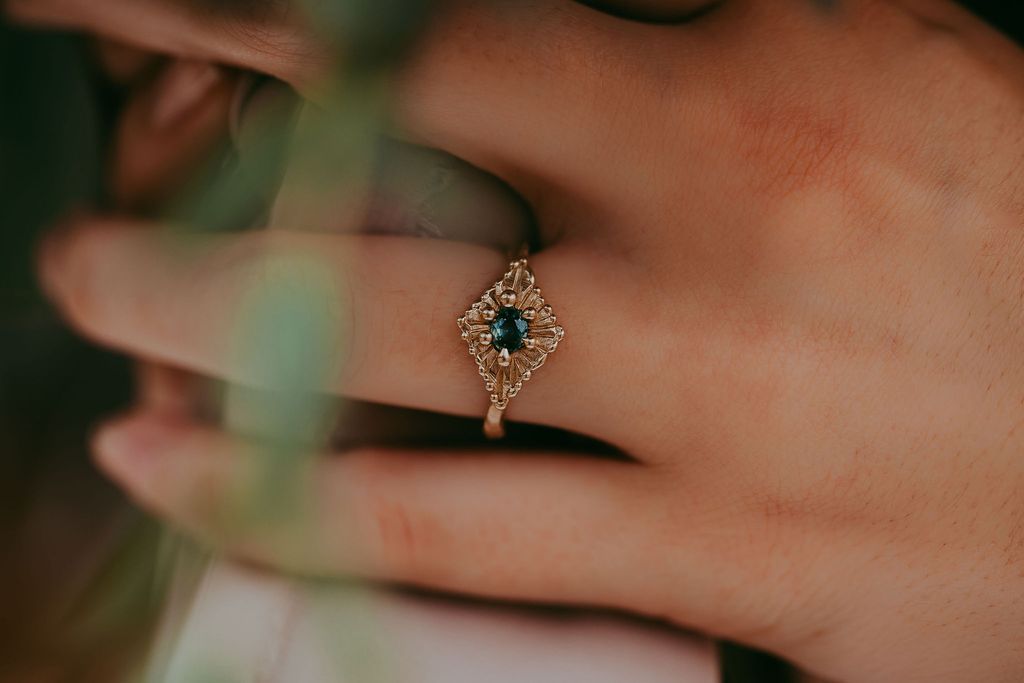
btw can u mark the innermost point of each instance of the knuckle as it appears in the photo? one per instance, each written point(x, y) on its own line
point(397, 536)
point(794, 146)
point(275, 44)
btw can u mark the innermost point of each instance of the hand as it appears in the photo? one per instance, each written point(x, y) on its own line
point(785, 242)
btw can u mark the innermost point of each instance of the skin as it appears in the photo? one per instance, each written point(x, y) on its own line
point(786, 243)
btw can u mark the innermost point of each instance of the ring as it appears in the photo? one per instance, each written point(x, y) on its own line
point(510, 332)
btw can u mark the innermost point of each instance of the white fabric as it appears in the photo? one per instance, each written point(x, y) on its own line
point(243, 625)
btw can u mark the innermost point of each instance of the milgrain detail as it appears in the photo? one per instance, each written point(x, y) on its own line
point(505, 366)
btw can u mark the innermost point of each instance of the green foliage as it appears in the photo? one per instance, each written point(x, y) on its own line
point(289, 330)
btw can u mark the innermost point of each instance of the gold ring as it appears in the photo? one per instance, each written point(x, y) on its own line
point(510, 332)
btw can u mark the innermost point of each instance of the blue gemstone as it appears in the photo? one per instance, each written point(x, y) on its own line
point(508, 329)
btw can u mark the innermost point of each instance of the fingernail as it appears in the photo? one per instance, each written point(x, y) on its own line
point(180, 89)
point(129, 447)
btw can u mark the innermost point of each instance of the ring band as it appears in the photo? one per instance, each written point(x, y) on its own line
point(510, 332)
point(494, 422)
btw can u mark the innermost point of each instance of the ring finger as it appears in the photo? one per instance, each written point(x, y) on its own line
point(369, 317)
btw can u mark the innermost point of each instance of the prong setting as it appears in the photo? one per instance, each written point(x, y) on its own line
point(510, 332)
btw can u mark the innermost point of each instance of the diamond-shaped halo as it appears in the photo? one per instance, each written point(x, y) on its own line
point(506, 351)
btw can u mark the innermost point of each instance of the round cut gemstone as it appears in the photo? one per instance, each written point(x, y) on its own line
point(508, 329)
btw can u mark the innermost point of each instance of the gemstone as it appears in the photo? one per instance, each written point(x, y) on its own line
point(508, 329)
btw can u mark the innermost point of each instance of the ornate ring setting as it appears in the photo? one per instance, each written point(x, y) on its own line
point(510, 332)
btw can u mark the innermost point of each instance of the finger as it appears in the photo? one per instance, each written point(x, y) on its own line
point(429, 193)
point(534, 527)
point(201, 302)
point(177, 29)
point(511, 87)
point(123, 64)
point(654, 11)
point(414, 191)
point(169, 130)
point(504, 86)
